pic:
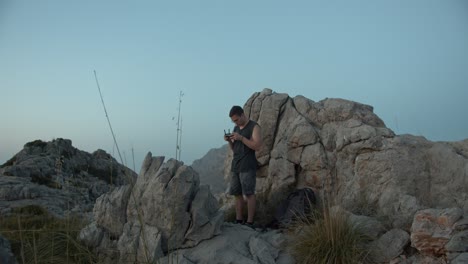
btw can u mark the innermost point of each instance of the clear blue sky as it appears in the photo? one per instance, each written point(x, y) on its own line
point(408, 59)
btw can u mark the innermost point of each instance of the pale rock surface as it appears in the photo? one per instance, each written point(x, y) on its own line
point(91, 235)
point(237, 244)
point(128, 244)
point(165, 210)
point(206, 217)
point(262, 252)
point(110, 210)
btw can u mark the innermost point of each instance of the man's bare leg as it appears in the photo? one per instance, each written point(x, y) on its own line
point(239, 205)
point(251, 203)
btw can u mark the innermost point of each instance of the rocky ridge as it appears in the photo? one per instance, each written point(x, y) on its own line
point(58, 177)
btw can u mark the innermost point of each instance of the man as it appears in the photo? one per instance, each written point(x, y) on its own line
point(244, 141)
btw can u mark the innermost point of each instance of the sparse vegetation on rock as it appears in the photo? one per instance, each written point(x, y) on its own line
point(39, 237)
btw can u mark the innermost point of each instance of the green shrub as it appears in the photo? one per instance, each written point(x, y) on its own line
point(327, 237)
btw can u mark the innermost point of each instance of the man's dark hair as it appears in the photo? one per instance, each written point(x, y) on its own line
point(236, 110)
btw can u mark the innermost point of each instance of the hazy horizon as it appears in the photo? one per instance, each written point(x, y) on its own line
point(407, 59)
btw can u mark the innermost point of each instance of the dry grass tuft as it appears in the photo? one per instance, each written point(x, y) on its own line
point(327, 237)
point(38, 237)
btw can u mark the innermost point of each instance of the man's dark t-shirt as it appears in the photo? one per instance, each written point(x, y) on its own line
point(244, 157)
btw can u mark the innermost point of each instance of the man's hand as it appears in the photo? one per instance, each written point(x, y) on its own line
point(236, 136)
point(227, 137)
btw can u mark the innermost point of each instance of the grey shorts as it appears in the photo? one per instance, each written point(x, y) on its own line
point(243, 183)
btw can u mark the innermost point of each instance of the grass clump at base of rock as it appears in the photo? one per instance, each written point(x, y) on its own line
point(38, 237)
point(327, 237)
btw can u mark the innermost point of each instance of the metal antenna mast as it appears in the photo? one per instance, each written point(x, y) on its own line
point(133, 156)
point(180, 139)
point(179, 128)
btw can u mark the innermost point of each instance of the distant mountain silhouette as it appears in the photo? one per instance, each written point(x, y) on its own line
point(211, 168)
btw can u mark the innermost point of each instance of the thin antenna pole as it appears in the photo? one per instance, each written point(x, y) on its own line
point(178, 127)
point(133, 156)
point(107, 116)
point(180, 140)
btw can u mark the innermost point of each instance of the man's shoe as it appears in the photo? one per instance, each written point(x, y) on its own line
point(251, 225)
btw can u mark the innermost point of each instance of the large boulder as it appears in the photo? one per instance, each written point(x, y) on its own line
point(389, 246)
point(343, 150)
point(166, 209)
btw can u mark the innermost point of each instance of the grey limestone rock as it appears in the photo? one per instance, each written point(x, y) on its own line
point(389, 246)
point(110, 209)
point(237, 244)
point(460, 259)
point(165, 210)
point(57, 176)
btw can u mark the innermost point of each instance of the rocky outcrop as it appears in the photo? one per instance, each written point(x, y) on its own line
point(44, 162)
point(342, 149)
point(58, 177)
point(166, 209)
point(389, 246)
point(210, 168)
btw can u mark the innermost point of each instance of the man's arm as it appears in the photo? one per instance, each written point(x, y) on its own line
point(255, 142)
